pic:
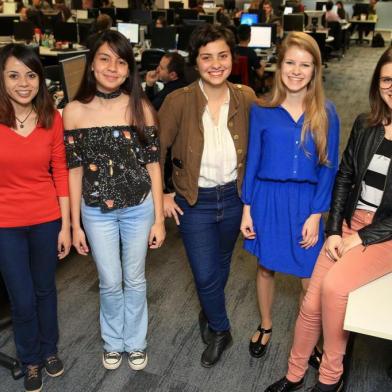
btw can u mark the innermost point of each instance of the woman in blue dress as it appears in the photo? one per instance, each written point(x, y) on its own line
point(291, 167)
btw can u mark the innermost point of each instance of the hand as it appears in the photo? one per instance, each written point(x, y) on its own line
point(332, 245)
point(157, 235)
point(348, 243)
point(63, 243)
point(247, 224)
point(263, 63)
point(79, 241)
point(310, 231)
point(171, 208)
point(151, 78)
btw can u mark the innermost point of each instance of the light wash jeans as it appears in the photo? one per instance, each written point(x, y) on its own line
point(122, 283)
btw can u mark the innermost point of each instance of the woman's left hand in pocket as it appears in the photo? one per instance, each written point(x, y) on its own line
point(310, 231)
point(64, 243)
point(157, 235)
point(349, 243)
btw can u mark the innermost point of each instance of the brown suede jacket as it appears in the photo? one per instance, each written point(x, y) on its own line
point(181, 128)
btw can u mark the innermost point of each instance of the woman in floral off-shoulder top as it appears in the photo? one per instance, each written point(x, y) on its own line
point(113, 156)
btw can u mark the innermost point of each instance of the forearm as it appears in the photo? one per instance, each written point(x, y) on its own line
point(75, 195)
point(65, 212)
point(154, 172)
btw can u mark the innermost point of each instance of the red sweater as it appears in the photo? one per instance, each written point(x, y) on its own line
point(28, 190)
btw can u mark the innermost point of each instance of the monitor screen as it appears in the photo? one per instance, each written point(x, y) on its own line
point(249, 19)
point(260, 37)
point(64, 31)
point(193, 22)
point(320, 5)
point(187, 14)
point(141, 16)
point(130, 31)
point(293, 22)
point(123, 14)
point(184, 33)
point(164, 38)
point(288, 10)
point(7, 25)
point(81, 14)
point(72, 75)
point(23, 31)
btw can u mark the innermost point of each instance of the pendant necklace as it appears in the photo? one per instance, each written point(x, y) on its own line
point(21, 123)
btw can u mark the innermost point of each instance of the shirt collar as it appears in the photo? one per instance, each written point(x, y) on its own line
point(201, 85)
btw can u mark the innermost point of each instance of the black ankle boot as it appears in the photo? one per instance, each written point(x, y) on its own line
point(205, 331)
point(284, 385)
point(320, 387)
point(219, 342)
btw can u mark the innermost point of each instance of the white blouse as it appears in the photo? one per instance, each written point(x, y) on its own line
point(219, 159)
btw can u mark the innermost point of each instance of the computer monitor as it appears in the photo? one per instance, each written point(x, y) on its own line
point(294, 5)
point(81, 14)
point(64, 31)
point(246, 6)
point(287, 10)
point(208, 18)
point(260, 37)
point(158, 13)
point(361, 9)
point(186, 14)
point(229, 5)
point(249, 19)
point(184, 33)
point(9, 8)
point(164, 38)
point(23, 31)
point(84, 30)
point(320, 5)
point(176, 4)
point(274, 30)
point(314, 20)
point(123, 14)
point(293, 22)
point(141, 16)
point(93, 13)
point(130, 31)
point(72, 70)
point(7, 25)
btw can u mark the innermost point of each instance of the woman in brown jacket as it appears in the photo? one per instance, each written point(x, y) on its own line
point(206, 125)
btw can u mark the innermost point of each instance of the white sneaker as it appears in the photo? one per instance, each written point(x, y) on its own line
point(137, 360)
point(111, 360)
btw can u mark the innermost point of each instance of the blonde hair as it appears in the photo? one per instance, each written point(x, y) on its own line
point(316, 119)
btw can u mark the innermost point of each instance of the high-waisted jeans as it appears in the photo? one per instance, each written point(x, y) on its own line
point(121, 270)
point(28, 260)
point(209, 230)
point(324, 305)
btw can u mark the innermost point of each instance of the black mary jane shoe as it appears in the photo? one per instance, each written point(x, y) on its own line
point(315, 358)
point(220, 341)
point(205, 331)
point(284, 385)
point(257, 349)
point(320, 387)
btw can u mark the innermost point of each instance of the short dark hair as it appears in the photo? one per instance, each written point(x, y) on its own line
point(329, 5)
point(379, 111)
point(205, 34)
point(243, 32)
point(42, 102)
point(176, 64)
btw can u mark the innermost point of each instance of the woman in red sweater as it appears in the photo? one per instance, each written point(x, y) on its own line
point(34, 209)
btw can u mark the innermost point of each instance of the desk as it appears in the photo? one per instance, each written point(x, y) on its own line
point(369, 309)
point(363, 26)
point(44, 51)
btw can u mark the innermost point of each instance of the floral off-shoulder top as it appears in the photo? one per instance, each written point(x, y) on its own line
point(113, 160)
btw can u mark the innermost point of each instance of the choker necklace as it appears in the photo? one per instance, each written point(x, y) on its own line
point(21, 123)
point(112, 95)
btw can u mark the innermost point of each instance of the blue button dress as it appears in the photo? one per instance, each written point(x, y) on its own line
point(284, 184)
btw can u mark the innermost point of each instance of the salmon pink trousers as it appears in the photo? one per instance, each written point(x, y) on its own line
point(324, 305)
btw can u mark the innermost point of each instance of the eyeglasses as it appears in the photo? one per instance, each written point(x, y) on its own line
point(386, 82)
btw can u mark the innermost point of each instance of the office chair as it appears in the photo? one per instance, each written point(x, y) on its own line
point(150, 59)
point(240, 71)
point(52, 72)
point(320, 39)
point(335, 48)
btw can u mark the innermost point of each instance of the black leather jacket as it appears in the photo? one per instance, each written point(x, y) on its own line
point(363, 143)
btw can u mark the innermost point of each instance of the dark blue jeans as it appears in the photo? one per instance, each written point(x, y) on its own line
point(28, 259)
point(209, 230)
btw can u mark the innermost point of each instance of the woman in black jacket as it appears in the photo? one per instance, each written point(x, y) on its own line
point(358, 248)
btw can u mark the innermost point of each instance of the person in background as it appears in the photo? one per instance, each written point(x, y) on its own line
point(358, 248)
point(64, 10)
point(267, 14)
point(171, 72)
point(199, 7)
point(115, 184)
point(341, 11)
point(40, 5)
point(330, 14)
point(34, 213)
point(160, 22)
point(291, 166)
point(206, 124)
point(103, 23)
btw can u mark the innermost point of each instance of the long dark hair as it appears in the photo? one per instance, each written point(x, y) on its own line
point(42, 102)
point(131, 86)
point(380, 113)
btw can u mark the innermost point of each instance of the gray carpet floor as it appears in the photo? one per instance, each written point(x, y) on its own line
point(174, 342)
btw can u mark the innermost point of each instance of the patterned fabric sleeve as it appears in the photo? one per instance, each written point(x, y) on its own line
point(150, 150)
point(72, 141)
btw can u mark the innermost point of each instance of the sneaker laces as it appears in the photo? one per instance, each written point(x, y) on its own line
point(137, 355)
point(32, 372)
point(51, 360)
point(112, 354)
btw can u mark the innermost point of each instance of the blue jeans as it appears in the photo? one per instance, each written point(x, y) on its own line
point(122, 283)
point(209, 230)
point(28, 259)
